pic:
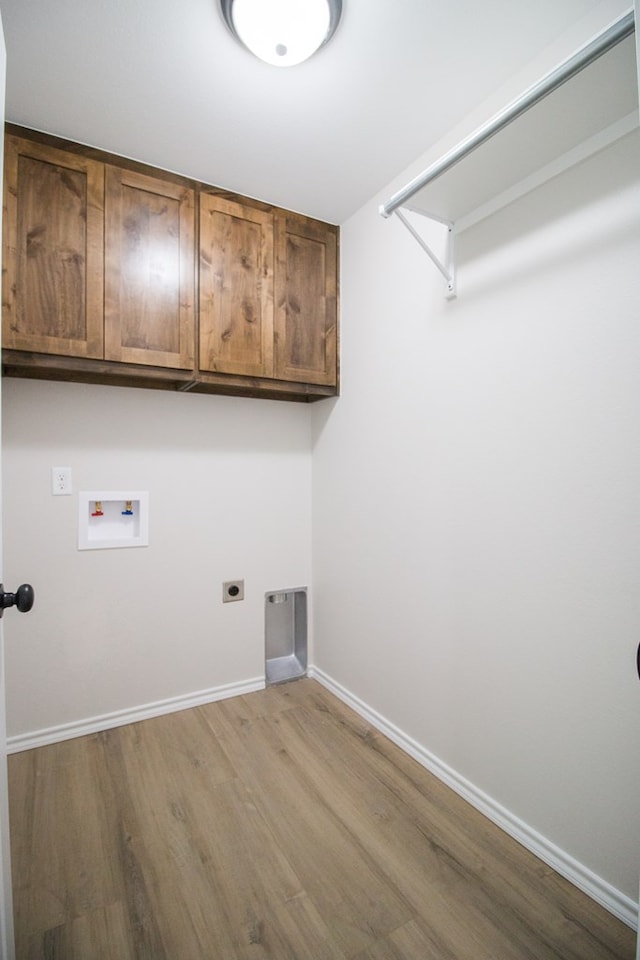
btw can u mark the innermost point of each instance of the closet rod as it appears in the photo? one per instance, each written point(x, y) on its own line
point(617, 32)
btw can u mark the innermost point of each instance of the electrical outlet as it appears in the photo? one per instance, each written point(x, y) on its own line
point(232, 590)
point(61, 481)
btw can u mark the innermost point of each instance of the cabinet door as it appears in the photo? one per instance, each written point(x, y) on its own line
point(236, 288)
point(53, 251)
point(306, 298)
point(149, 273)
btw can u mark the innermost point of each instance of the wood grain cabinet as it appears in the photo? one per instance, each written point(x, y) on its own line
point(98, 260)
point(115, 272)
point(53, 252)
point(235, 288)
point(306, 301)
point(149, 280)
point(268, 293)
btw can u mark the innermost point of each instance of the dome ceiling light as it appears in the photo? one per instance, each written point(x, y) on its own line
point(282, 32)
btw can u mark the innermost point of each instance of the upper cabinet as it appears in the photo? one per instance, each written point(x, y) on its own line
point(119, 273)
point(98, 260)
point(306, 300)
point(149, 279)
point(268, 293)
point(53, 251)
point(236, 288)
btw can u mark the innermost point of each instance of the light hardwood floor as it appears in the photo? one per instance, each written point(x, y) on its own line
point(275, 826)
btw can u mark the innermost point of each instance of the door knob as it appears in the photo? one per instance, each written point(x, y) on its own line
point(22, 598)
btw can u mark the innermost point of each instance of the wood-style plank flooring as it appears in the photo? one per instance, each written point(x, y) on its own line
point(274, 826)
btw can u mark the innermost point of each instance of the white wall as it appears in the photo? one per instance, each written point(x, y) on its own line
point(477, 503)
point(230, 485)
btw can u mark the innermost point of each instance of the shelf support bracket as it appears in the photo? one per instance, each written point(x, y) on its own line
point(448, 269)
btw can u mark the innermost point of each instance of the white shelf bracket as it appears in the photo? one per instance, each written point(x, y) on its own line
point(447, 269)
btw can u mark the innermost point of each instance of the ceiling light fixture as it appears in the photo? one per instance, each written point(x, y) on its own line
point(282, 32)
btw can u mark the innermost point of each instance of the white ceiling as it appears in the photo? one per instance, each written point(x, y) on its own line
point(164, 82)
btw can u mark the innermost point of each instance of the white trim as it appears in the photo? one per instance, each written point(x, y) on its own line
point(590, 883)
point(67, 731)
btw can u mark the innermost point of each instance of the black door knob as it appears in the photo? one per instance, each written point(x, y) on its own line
point(22, 599)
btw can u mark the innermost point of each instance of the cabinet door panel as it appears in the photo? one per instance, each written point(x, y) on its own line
point(236, 288)
point(149, 282)
point(306, 296)
point(53, 275)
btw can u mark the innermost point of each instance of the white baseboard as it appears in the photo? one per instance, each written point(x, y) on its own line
point(67, 731)
point(590, 883)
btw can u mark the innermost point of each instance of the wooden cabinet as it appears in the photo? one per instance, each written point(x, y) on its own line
point(236, 288)
point(98, 260)
point(53, 256)
point(149, 279)
point(306, 300)
point(115, 272)
point(268, 293)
